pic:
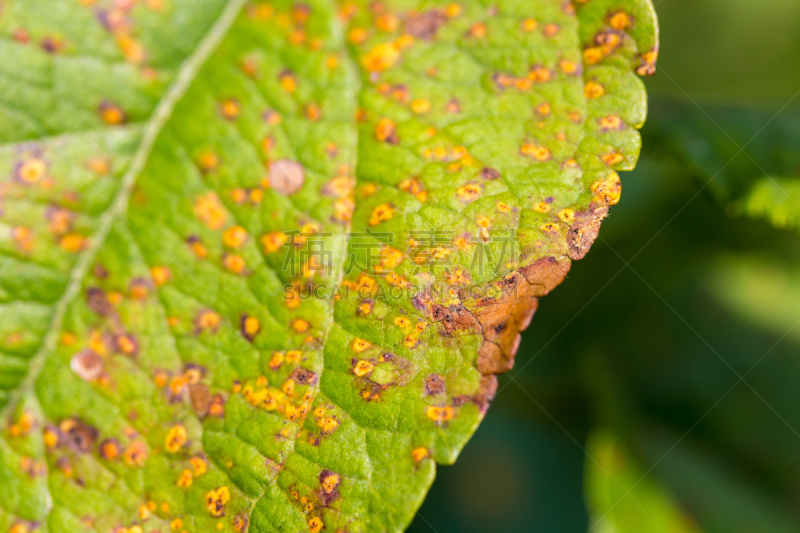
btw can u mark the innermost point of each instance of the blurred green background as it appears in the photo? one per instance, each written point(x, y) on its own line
point(658, 389)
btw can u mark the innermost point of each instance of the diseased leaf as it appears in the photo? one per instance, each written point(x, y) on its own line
point(276, 287)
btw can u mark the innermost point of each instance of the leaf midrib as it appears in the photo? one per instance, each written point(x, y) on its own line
point(119, 204)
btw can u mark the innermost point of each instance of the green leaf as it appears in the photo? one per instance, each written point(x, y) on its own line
point(164, 365)
point(622, 498)
point(745, 160)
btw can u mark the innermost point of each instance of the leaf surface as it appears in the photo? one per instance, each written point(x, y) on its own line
point(172, 358)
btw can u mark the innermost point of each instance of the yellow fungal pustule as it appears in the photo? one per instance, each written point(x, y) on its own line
point(362, 368)
point(160, 275)
point(539, 153)
point(208, 320)
point(72, 242)
point(288, 81)
point(135, 454)
point(386, 22)
point(234, 263)
point(359, 345)
point(420, 453)
point(111, 114)
point(648, 66)
point(566, 215)
point(300, 325)
point(176, 438)
point(385, 130)
point(381, 57)
point(273, 242)
point(477, 30)
point(357, 35)
point(50, 439)
point(452, 10)
point(593, 90)
point(330, 481)
point(210, 211)
point(469, 192)
point(593, 55)
point(32, 170)
point(313, 112)
point(250, 326)
point(328, 425)
point(608, 190)
point(229, 109)
point(612, 158)
point(619, 21)
point(216, 500)
point(186, 479)
point(199, 466)
point(567, 66)
point(381, 213)
point(551, 30)
point(439, 414)
point(315, 524)
point(549, 227)
point(610, 122)
point(539, 74)
point(420, 105)
point(529, 24)
point(234, 237)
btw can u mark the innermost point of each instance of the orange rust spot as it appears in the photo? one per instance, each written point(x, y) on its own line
point(160, 275)
point(385, 131)
point(210, 211)
point(439, 414)
point(381, 213)
point(362, 368)
point(566, 215)
point(111, 113)
point(300, 325)
point(234, 263)
point(186, 479)
point(608, 190)
point(199, 466)
point(593, 90)
point(469, 192)
point(72, 242)
point(234, 237)
point(420, 105)
point(273, 241)
point(315, 524)
point(477, 30)
point(610, 122)
point(176, 438)
point(540, 153)
point(359, 345)
point(288, 81)
point(612, 158)
point(420, 453)
point(230, 109)
point(32, 170)
point(135, 454)
point(216, 500)
point(620, 21)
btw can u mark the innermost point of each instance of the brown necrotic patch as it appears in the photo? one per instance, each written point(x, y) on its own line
point(77, 435)
point(302, 376)
point(87, 365)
